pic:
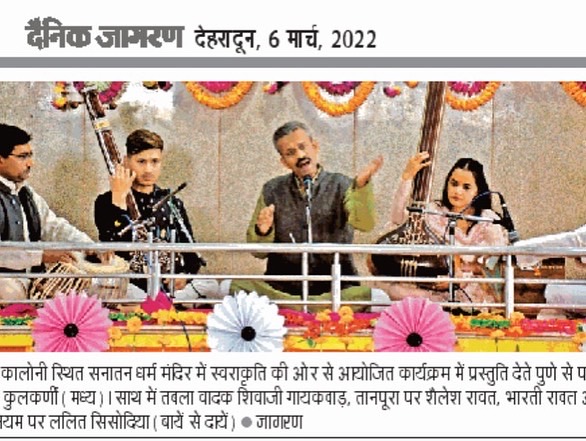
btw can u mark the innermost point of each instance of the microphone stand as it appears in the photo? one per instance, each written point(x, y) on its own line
point(452, 219)
point(172, 266)
point(153, 282)
point(184, 229)
point(305, 255)
point(451, 267)
point(136, 225)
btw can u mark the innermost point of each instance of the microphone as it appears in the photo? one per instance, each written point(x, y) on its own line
point(481, 195)
point(149, 221)
point(507, 221)
point(136, 224)
point(308, 184)
point(165, 199)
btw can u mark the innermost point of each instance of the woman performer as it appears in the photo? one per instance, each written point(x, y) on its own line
point(464, 182)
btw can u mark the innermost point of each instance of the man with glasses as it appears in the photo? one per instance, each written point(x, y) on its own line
point(25, 216)
point(338, 205)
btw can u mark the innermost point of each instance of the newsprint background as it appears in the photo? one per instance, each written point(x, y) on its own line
point(405, 397)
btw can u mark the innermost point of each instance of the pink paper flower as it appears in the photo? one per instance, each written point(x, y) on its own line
point(71, 323)
point(414, 324)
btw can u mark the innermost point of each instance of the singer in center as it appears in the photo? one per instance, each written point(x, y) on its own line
point(309, 205)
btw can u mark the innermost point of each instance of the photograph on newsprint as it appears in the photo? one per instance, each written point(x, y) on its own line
point(208, 232)
point(338, 218)
point(292, 216)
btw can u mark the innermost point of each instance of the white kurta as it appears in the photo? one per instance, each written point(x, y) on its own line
point(53, 229)
point(573, 239)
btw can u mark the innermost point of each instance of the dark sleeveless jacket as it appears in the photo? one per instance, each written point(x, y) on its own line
point(11, 219)
point(329, 223)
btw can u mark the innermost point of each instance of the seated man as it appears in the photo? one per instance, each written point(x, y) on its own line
point(557, 293)
point(573, 239)
point(26, 217)
point(138, 175)
point(339, 204)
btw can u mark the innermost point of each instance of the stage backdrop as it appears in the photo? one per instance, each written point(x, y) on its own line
point(531, 137)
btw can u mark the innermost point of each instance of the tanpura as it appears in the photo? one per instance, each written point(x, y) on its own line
point(415, 231)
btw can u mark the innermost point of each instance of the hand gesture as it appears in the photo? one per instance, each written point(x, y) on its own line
point(55, 256)
point(105, 257)
point(367, 172)
point(415, 163)
point(265, 219)
point(121, 184)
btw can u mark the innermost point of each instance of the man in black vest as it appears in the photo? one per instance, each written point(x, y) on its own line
point(339, 204)
point(25, 215)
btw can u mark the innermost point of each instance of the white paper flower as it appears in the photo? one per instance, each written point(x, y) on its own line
point(245, 322)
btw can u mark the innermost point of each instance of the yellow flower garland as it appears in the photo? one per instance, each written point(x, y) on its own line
point(468, 104)
point(312, 90)
point(574, 89)
point(220, 101)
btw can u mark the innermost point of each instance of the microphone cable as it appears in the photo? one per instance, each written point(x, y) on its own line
point(181, 322)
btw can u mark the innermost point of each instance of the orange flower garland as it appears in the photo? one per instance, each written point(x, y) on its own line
point(576, 89)
point(219, 101)
point(473, 102)
point(361, 92)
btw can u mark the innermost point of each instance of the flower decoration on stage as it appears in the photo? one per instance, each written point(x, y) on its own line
point(470, 95)
point(273, 87)
point(339, 89)
point(219, 94)
point(157, 85)
point(576, 89)
point(108, 91)
point(392, 90)
point(245, 322)
point(414, 324)
point(71, 322)
point(60, 99)
point(162, 301)
point(340, 98)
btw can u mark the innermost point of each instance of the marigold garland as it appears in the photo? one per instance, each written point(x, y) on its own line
point(393, 90)
point(478, 92)
point(157, 85)
point(272, 87)
point(203, 93)
point(361, 92)
point(109, 91)
point(576, 89)
point(218, 86)
point(59, 101)
point(339, 89)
